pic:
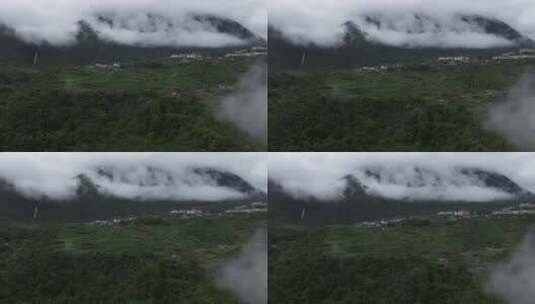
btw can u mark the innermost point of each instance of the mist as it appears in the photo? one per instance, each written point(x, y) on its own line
point(56, 21)
point(514, 280)
point(321, 22)
point(246, 274)
point(139, 176)
point(514, 118)
point(404, 176)
point(247, 106)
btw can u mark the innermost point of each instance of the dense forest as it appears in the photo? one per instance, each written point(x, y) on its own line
point(419, 261)
point(143, 106)
point(146, 261)
point(416, 107)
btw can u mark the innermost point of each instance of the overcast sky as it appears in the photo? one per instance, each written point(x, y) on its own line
point(55, 21)
point(319, 174)
point(53, 174)
point(320, 21)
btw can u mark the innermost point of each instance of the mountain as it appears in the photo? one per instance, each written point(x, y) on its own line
point(356, 203)
point(155, 23)
point(91, 203)
point(419, 177)
point(358, 49)
point(90, 47)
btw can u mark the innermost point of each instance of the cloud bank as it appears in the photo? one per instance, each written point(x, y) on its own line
point(322, 21)
point(141, 176)
point(55, 21)
point(514, 118)
point(247, 106)
point(514, 281)
point(247, 273)
point(408, 176)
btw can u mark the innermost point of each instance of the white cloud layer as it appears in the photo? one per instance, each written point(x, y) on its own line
point(321, 21)
point(246, 274)
point(514, 118)
point(320, 175)
point(53, 174)
point(247, 107)
point(514, 280)
point(55, 21)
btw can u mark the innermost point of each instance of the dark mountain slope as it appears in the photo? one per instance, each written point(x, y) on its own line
point(90, 47)
point(355, 204)
point(91, 203)
point(357, 50)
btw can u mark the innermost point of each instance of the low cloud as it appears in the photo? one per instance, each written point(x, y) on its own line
point(247, 106)
point(514, 280)
point(141, 176)
point(55, 21)
point(407, 176)
point(321, 22)
point(514, 118)
point(408, 30)
point(246, 274)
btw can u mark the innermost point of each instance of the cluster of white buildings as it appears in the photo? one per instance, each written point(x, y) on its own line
point(461, 213)
point(520, 55)
point(381, 223)
point(256, 207)
point(251, 52)
point(113, 222)
point(510, 56)
point(187, 213)
point(113, 66)
point(256, 51)
point(522, 209)
point(253, 208)
point(187, 57)
point(380, 68)
point(455, 60)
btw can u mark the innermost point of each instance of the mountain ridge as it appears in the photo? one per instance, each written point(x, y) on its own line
point(355, 203)
point(90, 202)
point(91, 47)
point(358, 49)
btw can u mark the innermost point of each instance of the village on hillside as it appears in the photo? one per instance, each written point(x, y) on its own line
point(522, 54)
point(456, 215)
point(189, 57)
point(189, 213)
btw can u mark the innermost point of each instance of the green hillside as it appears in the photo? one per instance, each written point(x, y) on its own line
point(416, 107)
point(426, 260)
point(151, 260)
point(159, 105)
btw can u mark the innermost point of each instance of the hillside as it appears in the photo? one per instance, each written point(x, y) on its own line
point(356, 203)
point(91, 47)
point(357, 48)
point(91, 202)
point(425, 106)
point(150, 105)
point(419, 261)
point(165, 261)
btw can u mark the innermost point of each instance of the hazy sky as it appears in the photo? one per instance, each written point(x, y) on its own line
point(53, 174)
point(55, 21)
point(320, 174)
point(320, 21)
